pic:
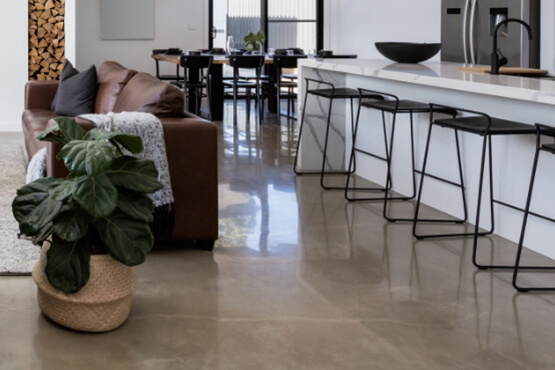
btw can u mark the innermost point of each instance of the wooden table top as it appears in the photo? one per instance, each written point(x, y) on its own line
point(218, 59)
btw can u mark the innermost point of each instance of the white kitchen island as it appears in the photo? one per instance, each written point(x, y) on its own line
point(527, 100)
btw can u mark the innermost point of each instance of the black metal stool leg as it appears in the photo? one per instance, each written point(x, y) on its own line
point(413, 174)
point(424, 165)
point(486, 150)
point(352, 132)
point(301, 125)
point(324, 158)
point(351, 170)
point(527, 213)
point(461, 179)
point(460, 185)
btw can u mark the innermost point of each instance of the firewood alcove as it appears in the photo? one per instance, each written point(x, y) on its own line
point(46, 39)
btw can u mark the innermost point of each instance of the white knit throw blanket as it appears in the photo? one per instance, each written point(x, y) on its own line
point(145, 125)
point(149, 128)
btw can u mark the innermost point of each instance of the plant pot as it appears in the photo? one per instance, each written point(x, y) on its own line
point(103, 304)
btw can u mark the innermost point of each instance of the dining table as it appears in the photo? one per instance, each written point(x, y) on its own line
point(216, 81)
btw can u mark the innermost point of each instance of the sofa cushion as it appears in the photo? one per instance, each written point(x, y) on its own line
point(144, 93)
point(34, 123)
point(76, 91)
point(112, 78)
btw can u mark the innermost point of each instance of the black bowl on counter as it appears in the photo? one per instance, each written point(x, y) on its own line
point(407, 52)
point(325, 53)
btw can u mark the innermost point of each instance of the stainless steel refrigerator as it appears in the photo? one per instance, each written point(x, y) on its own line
point(467, 28)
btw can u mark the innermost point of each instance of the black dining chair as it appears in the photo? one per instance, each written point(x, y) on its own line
point(285, 87)
point(198, 69)
point(175, 79)
point(253, 62)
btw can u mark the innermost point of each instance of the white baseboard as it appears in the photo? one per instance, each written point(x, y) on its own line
point(13, 126)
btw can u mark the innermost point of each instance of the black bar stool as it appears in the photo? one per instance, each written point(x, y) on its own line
point(331, 94)
point(485, 126)
point(393, 105)
point(541, 130)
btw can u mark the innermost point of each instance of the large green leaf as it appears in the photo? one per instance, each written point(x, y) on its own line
point(61, 189)
point(136, 205)
point(87, 157)
point(68, 265)
point(70, 129)
point(96, 195)
point(135, 174)
point(71, 225)
point(125, 239)
point(130, 142)
point(34, 207)
point(45, 232)
point(65, 130)
point(53, 135)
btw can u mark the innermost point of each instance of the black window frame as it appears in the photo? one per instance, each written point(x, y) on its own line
point(265, 23)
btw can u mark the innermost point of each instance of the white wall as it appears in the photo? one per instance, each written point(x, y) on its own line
point(548, 35)
point(355, 25)
point(179, 23)
point(13, 64)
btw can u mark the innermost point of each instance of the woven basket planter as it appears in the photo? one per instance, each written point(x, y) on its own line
point(103, 304)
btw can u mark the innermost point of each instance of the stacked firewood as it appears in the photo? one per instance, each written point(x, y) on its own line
point(46, 39)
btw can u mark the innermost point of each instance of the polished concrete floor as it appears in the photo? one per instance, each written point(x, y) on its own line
point(299, 279)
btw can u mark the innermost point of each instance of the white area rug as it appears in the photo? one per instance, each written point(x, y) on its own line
point(17, 256)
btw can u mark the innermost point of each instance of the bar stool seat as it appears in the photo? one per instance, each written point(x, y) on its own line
point(479, 125)
point(403, 106)
point(341, 93)
point(549, 148)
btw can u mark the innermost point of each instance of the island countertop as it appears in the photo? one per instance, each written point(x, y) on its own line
point(444, 75)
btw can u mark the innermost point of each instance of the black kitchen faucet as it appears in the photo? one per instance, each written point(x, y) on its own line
point(496, 61)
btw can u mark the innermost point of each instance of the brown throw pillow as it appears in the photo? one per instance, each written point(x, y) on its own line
point(112, 78)
point(144, 93)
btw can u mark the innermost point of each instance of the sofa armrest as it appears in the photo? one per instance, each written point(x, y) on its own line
point(192, 148)
point(40, 94)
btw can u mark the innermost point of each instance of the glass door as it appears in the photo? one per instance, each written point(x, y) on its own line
point(287, 23)
point(234, 18)
point(292, 24)
point(219, 24)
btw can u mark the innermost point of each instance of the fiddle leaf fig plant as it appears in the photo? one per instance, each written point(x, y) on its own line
point(101, 205)
point(254, 42)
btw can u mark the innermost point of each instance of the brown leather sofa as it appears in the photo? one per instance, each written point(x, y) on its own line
point(191, 142)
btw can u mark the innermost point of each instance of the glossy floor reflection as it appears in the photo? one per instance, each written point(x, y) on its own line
point(300, 279)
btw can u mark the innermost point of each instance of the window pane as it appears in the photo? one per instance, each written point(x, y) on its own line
point(291, 9)
point(292, 35)
point(243, 16)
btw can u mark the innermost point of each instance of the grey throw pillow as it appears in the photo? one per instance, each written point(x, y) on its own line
point(76, 92)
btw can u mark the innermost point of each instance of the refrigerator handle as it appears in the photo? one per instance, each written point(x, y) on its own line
point(471, 33)
point(465, 31)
